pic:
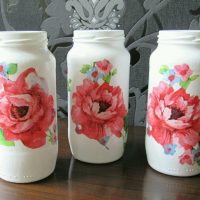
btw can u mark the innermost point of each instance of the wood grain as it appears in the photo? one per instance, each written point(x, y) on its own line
point(129, 178)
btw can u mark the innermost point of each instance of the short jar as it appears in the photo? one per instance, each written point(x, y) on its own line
point(173, 118)
point(98, 85)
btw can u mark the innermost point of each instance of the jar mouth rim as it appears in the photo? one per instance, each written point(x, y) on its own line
point(179, 31)
point(98, 35)
point(179, 36)
point(22, 37)
point(21, 32)
point(100, 31)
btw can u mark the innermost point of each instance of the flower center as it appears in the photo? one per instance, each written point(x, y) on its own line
point(171, 77)
point(104, 67)
point(19, 112)
point(1, 68)
point(95, 74)
point(176, 113)
point(183, 72)
point(103, 106)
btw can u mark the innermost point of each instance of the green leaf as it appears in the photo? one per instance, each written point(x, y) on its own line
point(49, 136)
point(3, 141)
point(114, 71)
point(12, 68)
point(123, 134)
point(185, 84)
point(85, 68)
point(69, 82)
point(107, 78)
point(198, 162)
point(194, 77)
point(125, 129)
point(164, 69)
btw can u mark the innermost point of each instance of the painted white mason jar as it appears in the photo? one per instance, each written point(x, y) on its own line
point(28, 132)
point(98, 84)
point(173, 119)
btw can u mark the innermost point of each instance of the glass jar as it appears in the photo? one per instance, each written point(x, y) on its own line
point(98, 85)
point(28, 126)
point(173, 119)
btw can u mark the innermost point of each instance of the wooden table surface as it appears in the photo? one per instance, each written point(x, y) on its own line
point(129, 178)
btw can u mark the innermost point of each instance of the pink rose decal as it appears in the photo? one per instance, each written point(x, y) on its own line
point(104, 66)
point(183, 71)
point(26, 109)
point(98, 109)
point(174, 115)
point(186, 158)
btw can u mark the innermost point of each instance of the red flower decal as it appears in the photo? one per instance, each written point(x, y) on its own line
point(98, 110)
point(104, 66)
point(186, 158)
point(26, 110)
point(1, 68)
point(174, 114)
point(183, 71)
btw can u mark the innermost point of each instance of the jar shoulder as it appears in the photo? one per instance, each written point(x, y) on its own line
point(171, 56)
point(26, 55)
point(95, 51)
point(175, 53)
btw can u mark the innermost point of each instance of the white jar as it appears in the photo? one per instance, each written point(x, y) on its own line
point(98, 84)
point(28, 132)
point(173, 119)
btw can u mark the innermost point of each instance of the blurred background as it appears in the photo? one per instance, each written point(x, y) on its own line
point(141, 20)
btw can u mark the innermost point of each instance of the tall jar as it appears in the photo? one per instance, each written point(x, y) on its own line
point(173, 119)
point(28, 132)
point(98, 84)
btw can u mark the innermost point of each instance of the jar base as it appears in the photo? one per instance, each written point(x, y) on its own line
point(27, 167)
point(175, 172)
point(26, 179)
point(97, 161)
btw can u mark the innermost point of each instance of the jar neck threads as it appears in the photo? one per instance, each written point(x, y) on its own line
point(23, 38)
point(98, 36)
point(179, 37)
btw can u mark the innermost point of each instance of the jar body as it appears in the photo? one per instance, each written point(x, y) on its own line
point(98, 80)
point(173, 118)
point(28, 126)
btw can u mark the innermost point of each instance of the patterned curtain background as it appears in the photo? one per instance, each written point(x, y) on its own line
point(141, 20)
